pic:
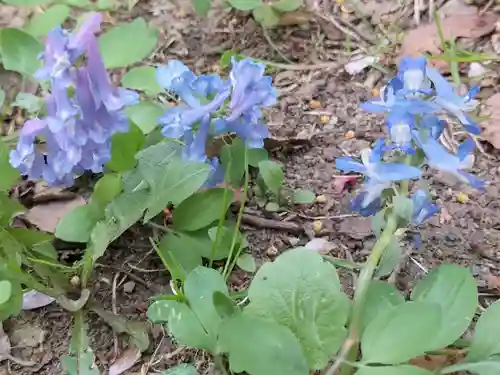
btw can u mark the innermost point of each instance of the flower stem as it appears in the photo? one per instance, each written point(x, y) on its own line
point(351, 345)
point(227, 268)
point(218, 235)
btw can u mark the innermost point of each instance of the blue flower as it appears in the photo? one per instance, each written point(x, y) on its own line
point(439, 158)
point(178, 120)
point(358, 204)
point(169, 76)
point(412, 73)
point(400, 131)
point(250, 88)
point(455, 104)
point(379, 175)
point(433, 125)
point(392, 98)
point(423, 209)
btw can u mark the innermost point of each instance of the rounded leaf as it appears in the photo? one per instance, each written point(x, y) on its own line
point(453, 289)
point(261, 347)
point(5, 291)
point(393, 370)
point(401, 333)
point(19, 51)
point(486, 335)
point(245, 4)
point(142, 78)
point(301, 291)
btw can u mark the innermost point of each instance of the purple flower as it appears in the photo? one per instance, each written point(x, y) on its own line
point(412, 73)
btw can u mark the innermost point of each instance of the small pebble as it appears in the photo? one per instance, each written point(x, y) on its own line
point(349, 135)
point(315, 104)
point(321, 199)
point(462, 198)
point(75, 281)
point(272, 251)
point(324, 119)
point(376, 91)
point(129, 287)
point(317, 226)
point(292, 241)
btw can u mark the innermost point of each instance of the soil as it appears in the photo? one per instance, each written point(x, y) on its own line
point(319, 106)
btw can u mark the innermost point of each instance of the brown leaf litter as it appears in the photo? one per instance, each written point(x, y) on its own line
point(425, 38)
point(491, 126)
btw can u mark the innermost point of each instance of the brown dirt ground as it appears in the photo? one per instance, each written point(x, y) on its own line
point(464, 233)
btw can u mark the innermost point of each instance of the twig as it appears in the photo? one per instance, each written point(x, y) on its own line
point(486, 7)
point(337, 24)
point(260, 222)
point(416, 11)
point(274, 46)
point(114, 311)
point(326, 65)
point(331, 217)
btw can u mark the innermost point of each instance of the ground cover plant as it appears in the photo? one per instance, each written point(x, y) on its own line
point(145, 147)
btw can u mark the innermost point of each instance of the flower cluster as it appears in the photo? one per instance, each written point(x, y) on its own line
point(212, 106)
point(83, 110)
point(414, 101)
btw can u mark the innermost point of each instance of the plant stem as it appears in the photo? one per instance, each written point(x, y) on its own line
point(350, 349)
point(219, 364)
point(228, 269)
point(218, 235)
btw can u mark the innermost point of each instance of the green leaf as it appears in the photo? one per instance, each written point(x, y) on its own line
point(29, 102)
point(246, 262)
point(145, 115)
point(453, 289)
point(403, 207)
point(9, 174)
point(142, 78)
point(2, 99)
point(378, 222)
point(391, 258)
point(302, 196)
point(225, 59)
point(224, 305)
point(182, 369)
point(266, 15)
point(488, 367)
point(301, 291)
point(77, 225)
point(19, 51)
point(127, 43)
point(124, 147)
point(42, 23)
point(202, 7)
point(170, 178)
point(393, 370)
point(245, 5)
point(256, 155)
point(486, 334)
point(401, 333)
point(267, 347)
point(232, 157)
point(380, 298)
point(201, 209)
point(13, 305)
point(195, 325)
point(287, 5)
point(106, 189)
point(83, 365)
point(225, 241)
point(5, 291)
point(181, 252)
point(9, 209)
point(27, 3)
point(199, 287)
point(273, 175)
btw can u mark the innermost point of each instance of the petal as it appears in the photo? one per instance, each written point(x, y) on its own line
point(466, 148)
point(395, 172)
point(472, 180)
point(374, 107)
point(347, 164)
point(33, 127)
point(167, 74)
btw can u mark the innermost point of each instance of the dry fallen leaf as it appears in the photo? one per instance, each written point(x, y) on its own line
point(493, 282)
point(340, 182)
point(4, 344)
point(437, 362)
point(33, 300)
point(320, 245)
point(425, 38)
point(46, 216)
point(356, 227)
point(128, 358)
point(491, 126)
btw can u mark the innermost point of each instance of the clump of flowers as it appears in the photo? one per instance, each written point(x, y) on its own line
point(212, 106)
point(415, 101)
point(83, 110)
